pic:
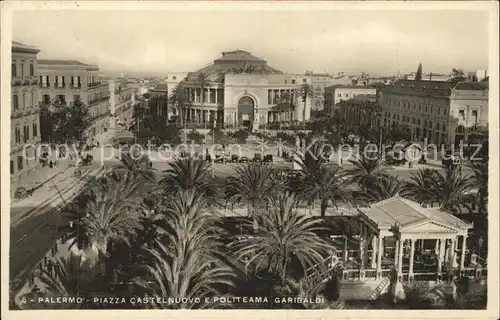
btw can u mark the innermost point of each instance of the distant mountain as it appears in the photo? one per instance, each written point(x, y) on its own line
point(133, 74)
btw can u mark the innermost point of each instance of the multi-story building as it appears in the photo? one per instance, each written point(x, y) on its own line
point(25, 112)
point(243, 92)
point(319, 83)
point(121, 103)
point(441, 112)
point(360, 110)
point(172, 79)
point(337, 93)
point(65, 81)
point(158, 101)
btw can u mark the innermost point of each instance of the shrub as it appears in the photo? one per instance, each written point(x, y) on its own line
point(21, 193)
point(240, 136)
point(195, 136)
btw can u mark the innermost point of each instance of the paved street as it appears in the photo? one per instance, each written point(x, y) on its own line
point(33, 235)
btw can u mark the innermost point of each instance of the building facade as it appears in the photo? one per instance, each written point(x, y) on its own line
point(25, 112)
point(158, 101)
point(172, 79)
point(337, 93)
point(319, 83)
point(243, 92)
point(66, 81)
point(441, 112)
point(121, 103)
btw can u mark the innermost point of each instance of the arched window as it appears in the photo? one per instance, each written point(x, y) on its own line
point(14, 70)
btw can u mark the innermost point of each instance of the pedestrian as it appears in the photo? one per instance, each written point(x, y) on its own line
point(45, 260)
point(51, 164)
point(40, 266)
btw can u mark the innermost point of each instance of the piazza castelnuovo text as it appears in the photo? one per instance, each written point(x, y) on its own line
point(174, 301)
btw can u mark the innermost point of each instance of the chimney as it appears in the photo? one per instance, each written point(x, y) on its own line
point(430, 76)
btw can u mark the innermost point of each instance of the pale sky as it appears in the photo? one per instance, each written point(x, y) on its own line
point(377, 42)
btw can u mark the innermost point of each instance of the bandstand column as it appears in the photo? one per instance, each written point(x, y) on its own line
point(361, 244)
point(412, 253)
point(442, 243)
point(216, 99)
point(462, 255)
point(400, 258)
point(374, 252)
point(379, 256)
point(396, 253)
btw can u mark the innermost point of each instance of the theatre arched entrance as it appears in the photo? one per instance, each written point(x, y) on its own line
point(246, 113)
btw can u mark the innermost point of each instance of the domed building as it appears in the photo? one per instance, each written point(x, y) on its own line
point(243, 91)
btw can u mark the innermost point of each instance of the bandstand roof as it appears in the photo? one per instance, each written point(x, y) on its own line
point(410, 216)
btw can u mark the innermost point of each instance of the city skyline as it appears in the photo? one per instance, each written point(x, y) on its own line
point(288, 40)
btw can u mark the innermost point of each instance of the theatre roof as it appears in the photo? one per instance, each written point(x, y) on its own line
point(233, 62)
point(405, 214)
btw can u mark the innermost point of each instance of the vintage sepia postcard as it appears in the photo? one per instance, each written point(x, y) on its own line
point(230, 160)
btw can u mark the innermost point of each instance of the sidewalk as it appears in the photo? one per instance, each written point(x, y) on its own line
point(47, 195)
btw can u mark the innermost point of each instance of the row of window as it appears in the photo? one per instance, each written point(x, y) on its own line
point(26, 133)
point(60, 81)
point(24, 101)
point(275, 96)
point(412, 120)
point(421, 108)
point(20, 72)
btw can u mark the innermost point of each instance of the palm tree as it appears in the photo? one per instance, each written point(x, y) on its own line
point(306, 91)
point(255, 184)
point(368, 166)
point(383, 187)
point(183, 102)
point(138, 164)
point(109, 216)
point(284, 234)
point(480, 182)
point(451, 191)
point(73, 276)
point(328, 184)
point(188, 173)
point(187, 265)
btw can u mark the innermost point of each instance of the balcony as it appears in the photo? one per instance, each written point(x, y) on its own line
point(94, 84)
point(74, 86)
point(17, 81)
point(34, 81)
point(44, 85)
point(98, 100)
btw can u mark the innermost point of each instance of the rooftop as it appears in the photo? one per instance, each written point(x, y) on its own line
point(406, 214)
point(160, 87)
point(439, 89)
point(21, 46)
point(61, 62)
point(237, 55)
point(233, 62)
point(365, 97)
point(349, 86)
point(471, 86)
